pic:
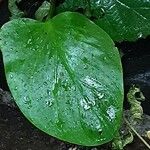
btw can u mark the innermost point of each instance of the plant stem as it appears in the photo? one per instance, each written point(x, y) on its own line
point(51, 9)
point(14, 10)
point(136, 109)
point(117, 142)
point(130, 126)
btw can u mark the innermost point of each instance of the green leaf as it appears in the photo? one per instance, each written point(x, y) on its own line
point(15, 11)
point(71, 5)
point(43, 11)
point(121, 19)
point(66, 77)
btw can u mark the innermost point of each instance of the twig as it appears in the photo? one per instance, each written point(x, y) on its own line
point(138, 135)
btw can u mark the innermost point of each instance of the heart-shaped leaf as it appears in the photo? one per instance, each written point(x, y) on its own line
point(66, 77)
point(121, 19)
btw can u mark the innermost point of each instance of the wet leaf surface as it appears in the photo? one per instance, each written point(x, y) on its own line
point(121, 19)
point(65, 78)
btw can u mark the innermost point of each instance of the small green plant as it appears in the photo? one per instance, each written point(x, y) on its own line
point(65, 73)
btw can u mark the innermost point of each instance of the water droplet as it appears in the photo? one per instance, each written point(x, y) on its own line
point(100, 130)
point(140, 35)
point(59, 124)
point(29, 41)
point(92, 82)
point(47, 46)
point(102, 139)
point(69, 33)
point(37, 47)
point(100, 95)
point(73, 88)
point(22, 22)
point(49, 103)
point(16, 88)
point(84, 104)
point(45, 83)
point(48, 92)
point(61, 74)
point(11, 76)
point(111, 112)
point(91, 102)
point(85, 60)
point(98, 140)
point(85, 66)
point(105, 58)
point(84, 26)
point(98, 2)
point(27, 100)
point(98, 127)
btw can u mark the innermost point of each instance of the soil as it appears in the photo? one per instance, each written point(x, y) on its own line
point(17, 133)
